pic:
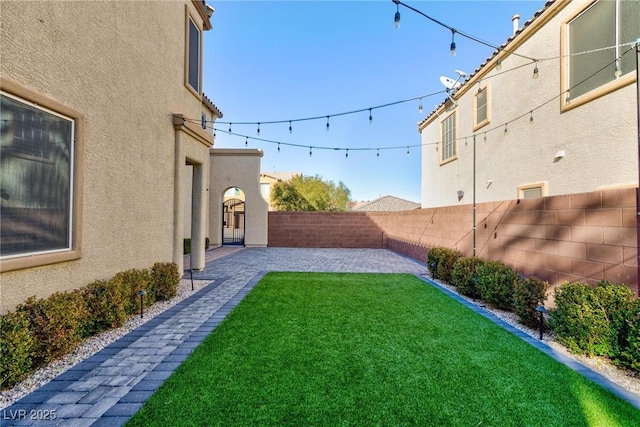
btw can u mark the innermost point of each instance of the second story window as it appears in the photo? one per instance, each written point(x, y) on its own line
point(481, 110)
point(193, 56)
point(448, 133)
point(596, 37)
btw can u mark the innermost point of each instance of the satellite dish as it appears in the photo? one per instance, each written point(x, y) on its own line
point(449, 83)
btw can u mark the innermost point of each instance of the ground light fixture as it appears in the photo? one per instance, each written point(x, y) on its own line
point(540, 309)
point(142, 293)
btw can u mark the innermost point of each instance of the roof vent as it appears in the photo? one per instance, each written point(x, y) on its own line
point(516, 23)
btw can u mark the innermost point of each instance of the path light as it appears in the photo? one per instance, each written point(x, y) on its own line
point(142, 293)
point(540, 309)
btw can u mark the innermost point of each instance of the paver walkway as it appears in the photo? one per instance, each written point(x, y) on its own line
point(112, 385)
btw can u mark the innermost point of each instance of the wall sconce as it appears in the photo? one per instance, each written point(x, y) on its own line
point(559, 155)
point(460, 194)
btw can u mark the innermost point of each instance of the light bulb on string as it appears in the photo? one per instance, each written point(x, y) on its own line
point(278, 147)
point(420, 107)
point(531, 118)
point(535, 71)
point(452, 48)
point(618, 71)
point(327, 123)
point(229, 127)
point(378, 152)
point(499, 64)
point(567, 100)
point(246, 141)
point(408, 152)
point(396, 17)
point(370, 117)
point(485, 137)
point(505, 129)
point(258, 129)
point(290, 127)
point(346, 154)
point(310, 152)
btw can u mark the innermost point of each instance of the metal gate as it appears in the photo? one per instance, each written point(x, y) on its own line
point(233, 222)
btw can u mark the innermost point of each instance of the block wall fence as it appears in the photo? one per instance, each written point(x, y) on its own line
point(584, 237)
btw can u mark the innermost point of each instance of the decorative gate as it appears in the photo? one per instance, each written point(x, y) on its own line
point(233, 222)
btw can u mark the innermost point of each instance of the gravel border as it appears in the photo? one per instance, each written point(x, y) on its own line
point(624, 378)
point(94, 344)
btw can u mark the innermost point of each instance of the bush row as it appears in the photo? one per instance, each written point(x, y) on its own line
point(187, 245)
point(602, 320)
point(42, 330)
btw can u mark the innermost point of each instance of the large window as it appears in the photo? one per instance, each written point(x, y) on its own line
point(596, 39)
point(36, 179)
point(193, 56)
point(448, 132)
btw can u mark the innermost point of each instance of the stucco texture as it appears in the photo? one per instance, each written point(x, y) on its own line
point(121, 65)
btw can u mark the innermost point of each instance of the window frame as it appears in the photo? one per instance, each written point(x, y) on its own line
point(542, 185)
point(613, 85)
point(189, 20)
point(487, 92)
point(454, 140)
point(74, 251)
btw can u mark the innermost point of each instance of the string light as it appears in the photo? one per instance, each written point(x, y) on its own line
point(278, 147)
point(327, 123)
point(535, 71)
point(567, 100)
point(346, 154)
point(420, 107)
point(310, 152)
point(246, 141)
point(618, 71)
point(505, 129)
point(378, 152)
point(229, 127)
point(531, 118)
point(452, 49)
point(499, 64)
point(290, 127)
point(396, 17)
point(258, 128)
point(370, 117)
point(408, 153)
point(485, 137)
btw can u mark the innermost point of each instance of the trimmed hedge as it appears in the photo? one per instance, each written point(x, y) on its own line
point(529, 293)
point(464, 275)
point(496, 284)
point(440, 261)
point(41, 330)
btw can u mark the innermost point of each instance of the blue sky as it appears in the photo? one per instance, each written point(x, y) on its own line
point(288, 60)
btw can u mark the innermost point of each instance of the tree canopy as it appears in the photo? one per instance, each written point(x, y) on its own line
point(309, 193)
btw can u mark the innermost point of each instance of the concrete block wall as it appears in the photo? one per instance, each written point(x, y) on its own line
point(584, 237)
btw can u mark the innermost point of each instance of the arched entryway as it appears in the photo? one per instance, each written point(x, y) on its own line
point(233, 210)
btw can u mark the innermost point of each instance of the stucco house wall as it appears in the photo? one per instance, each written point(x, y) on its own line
point(120, 66)
point(599, 137)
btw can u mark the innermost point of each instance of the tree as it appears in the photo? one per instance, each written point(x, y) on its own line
point(309, 193)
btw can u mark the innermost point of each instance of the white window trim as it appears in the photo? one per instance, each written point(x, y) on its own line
point(454, 142)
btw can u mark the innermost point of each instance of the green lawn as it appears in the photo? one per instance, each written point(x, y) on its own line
point(371, 349)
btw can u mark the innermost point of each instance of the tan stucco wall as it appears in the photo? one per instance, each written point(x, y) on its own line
point(237, 168)
point(121, 65)
point(599, 137)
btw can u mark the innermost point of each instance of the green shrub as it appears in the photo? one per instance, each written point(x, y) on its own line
point(592, 320)
point(17, 346)
point(496, 282)
point(186, 250)
point(465, 275)
point(440, 261)
point(130, 282)
point(55, 324)
point(106, 302)
point(630, 351)
point(528, 294)
point(165, 279)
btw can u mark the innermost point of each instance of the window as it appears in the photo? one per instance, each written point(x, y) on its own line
point(193, 56)
point(532, 191)
point(448, 132)
point(36, 179)
point(608, 25)
point(481, 108)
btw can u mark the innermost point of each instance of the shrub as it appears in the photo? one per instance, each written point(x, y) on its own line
point(440, 261)
point(165, 279)
point(17, 346)
point(496, 283)
point(54, 323)
point(592, 320)
point(106, 302)
point(630, 352)
point(129, 283)
point(186, 250)
point(464, 275)
point(528, 294)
